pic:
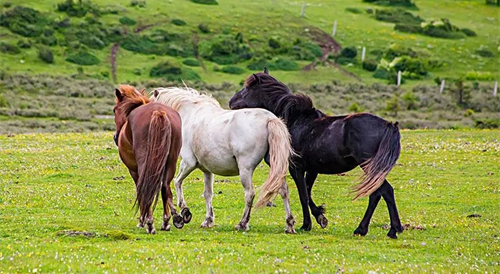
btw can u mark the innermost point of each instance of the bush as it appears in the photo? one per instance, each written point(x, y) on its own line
point(414, 68)
point(3, 102)
point(178, 22)
point(286, 65)
point(273, 43)
point(479, 75)
point(394, 3)
point(408, 28)
point(484, 52)
point(260, 64)
point(24, 21)
point(83, 58)
point(191, 62)
point(488, 123)
point(468, 32)
point(398, 16)
point(127, 21)
point(232, 70)
point(137, 3)
point(78, 9)
point(204, 28)
point(205, 2)
point(354, 107)
point(341, 60)
point(442, 29)
point(45, 54)
point(353, 10)
point(9, 49)
point(369, 65)
point(48, 40)
point(349, 52)
point(24, 44)
point(306, 51)
point(225, 50)
point(173, 72)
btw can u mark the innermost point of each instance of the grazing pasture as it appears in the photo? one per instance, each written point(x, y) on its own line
point(66, 206)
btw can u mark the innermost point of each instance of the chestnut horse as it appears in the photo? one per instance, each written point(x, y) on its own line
point(330, 145)
point(148, 136)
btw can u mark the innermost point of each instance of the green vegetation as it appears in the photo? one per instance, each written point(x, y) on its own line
point(76, 214)
point(233, 36)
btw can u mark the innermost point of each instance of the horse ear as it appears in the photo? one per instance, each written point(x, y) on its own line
point(156, 93)
point(257, 79)
point(142, 91)
point(118, 94)
point(266, 71)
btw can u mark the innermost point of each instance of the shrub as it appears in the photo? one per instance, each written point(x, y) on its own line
point(394, 3)
point(306, 51)
point(127, 21)
point(48, 40)
point(78, 9)
point(341, 60)
point(442, 29)
point(410, 100)
point(409, 28)
point(24, 44)
point(178, 22)
point(3, 102)
point(484, 52)
point(45, 54)
point(232, 70)
point(224, 50)
point(191, 62)
point(413, 66)
point(260, 64)
point(398, 16)
point(205, 2)
point(173, 72)
point(468, 32)
point(369, 65)
point(24, 21)
point(286, 65)
point(487, 123)
point(354, 107)
point(8, 48)
point(138, 3)
point(479, 75)
point(396, 50)
point(273, 43)
point(83, 58)
point(141, 44)
point(349, 52)
point(204, 28)
point(353, 10)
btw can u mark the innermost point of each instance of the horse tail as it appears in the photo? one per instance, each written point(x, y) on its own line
point(378, 167)
point(280, 150)
point(152, 172)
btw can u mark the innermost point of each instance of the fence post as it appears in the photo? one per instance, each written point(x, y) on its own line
point(334, 30)
point(303, 13)
point(399, 78)
point(442, 87)
point(363, 52)
point(495, 88)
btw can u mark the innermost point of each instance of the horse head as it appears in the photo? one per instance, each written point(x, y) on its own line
point(127, 98)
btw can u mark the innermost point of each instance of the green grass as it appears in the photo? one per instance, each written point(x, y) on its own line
point(260, 20)
point(66, 206)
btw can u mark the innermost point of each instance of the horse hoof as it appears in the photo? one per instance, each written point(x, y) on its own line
point(141, 225)
point(392, 236)
point(208, 223)
point(306, 227)
point(322, 221)
point(360, 231)
point(165, 227)
point(241, 227)
point(290, 231)
point(186, 215)
point(151, 229)
point(178, 221)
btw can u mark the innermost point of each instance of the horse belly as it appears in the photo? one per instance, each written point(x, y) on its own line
point(224, 166)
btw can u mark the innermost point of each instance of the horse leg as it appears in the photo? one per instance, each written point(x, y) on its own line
point(290, 222)
point(246, 181)
point(166, 196)
point(388, 195)
point(185, 169)
point(374, 198)
point(298, 177)
point(149, 222)
point(135, 176)
point(209, 186)
point(317, 211)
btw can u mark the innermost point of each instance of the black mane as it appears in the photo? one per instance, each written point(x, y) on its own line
point(278, 98)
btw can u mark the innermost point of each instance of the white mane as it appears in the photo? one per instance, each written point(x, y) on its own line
point(175, 97)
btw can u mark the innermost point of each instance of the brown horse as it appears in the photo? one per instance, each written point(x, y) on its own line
point(148, 136)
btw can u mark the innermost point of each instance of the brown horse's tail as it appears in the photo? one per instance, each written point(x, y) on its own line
point(152, 172)
point(280, 150)
point(377, 167)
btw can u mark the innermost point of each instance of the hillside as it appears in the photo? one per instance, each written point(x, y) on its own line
point(232, 39)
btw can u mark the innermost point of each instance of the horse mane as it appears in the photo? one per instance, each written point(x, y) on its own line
point(175, 97)
point(132, 99)
point(279, 99)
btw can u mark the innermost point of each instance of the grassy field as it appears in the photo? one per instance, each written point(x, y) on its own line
point(261, 19)
point(56, 187)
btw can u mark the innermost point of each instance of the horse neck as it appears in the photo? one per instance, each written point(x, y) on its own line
point(194, 111)
point(292, 112)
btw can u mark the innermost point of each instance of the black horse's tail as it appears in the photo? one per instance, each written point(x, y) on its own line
point(377, 167)
point(151, 174)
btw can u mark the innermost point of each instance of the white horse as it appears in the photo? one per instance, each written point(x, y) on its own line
point(229, 143)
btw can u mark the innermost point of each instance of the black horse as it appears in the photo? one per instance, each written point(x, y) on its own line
point(330, 145)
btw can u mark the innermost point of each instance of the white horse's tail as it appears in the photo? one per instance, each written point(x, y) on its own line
point(280, 150)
